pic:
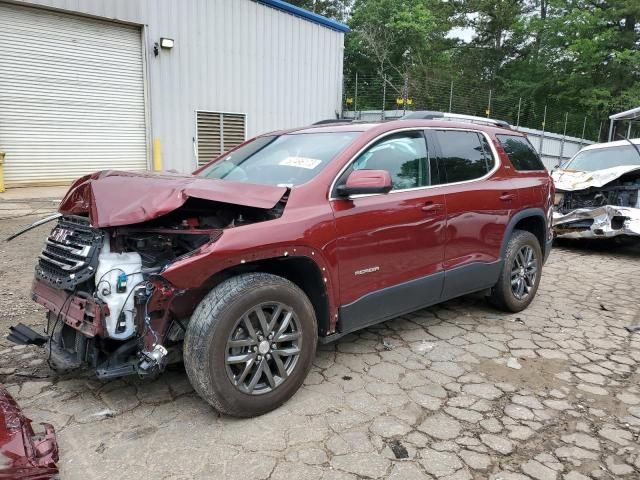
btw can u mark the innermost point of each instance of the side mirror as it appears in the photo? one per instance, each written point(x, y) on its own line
point(362, 182)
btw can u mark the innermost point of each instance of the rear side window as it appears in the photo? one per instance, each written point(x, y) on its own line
point(464, 155)
point(522, 155)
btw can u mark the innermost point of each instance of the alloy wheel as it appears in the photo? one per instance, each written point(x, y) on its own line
point(524, 271)
point(263, 348)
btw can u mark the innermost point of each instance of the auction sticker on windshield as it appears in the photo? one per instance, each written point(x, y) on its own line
point(301, 162)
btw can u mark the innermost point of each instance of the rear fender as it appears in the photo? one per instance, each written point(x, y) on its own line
point(537, 213)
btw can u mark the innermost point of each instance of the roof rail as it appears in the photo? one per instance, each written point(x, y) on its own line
point(431, 115)
point(331, 121)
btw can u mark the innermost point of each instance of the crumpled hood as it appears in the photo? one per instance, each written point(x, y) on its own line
point(113, 198)
point(572, 180)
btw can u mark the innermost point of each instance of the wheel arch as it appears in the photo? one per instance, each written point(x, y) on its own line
point(532, 220)
point(302, 271)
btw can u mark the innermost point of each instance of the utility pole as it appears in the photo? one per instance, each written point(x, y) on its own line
point(489, 105)
point(564, 135)
point(405, 94)
point(600, 130)
point(355, 101)
point(384, 93)
point(544, 121)
point(584, 127)
point(451, 97)
point(518, 119)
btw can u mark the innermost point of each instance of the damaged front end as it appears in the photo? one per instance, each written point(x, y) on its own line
point(600, 204)
point(101, 279)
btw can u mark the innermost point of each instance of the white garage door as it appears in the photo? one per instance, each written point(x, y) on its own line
point(71, 96)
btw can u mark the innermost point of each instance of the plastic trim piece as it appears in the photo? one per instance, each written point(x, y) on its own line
point(469, 278)
point(388, 303)
point(407, 297)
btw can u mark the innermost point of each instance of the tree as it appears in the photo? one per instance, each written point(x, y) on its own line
point(580, 55)
point(575, 56)
point(335, 9)
point(392, 38)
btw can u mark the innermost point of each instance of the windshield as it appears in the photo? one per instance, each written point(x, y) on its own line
point(283, 160)
point(601, 158)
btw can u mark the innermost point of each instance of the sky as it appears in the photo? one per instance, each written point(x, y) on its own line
point(463, 33)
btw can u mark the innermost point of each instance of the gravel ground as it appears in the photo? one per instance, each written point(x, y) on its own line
point(458, 391)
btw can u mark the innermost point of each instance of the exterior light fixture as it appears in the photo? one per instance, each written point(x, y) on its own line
point(167, 43)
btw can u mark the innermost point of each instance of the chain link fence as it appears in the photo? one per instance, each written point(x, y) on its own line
point(389, 96)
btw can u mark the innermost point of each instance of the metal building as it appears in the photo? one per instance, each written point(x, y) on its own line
point(118, 84)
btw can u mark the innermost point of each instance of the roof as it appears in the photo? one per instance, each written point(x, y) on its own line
point(617, 143)
point(626, 115)
point(306, 14)
point(394, 125)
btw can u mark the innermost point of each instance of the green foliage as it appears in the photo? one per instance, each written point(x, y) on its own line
point(336, 9)
point(581, 57)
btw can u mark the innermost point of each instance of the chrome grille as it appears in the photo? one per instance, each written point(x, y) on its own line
point(70, 254)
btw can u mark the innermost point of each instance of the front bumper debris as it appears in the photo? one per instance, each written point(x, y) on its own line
point(601, 222)
point(23, 454)
point(80, 312)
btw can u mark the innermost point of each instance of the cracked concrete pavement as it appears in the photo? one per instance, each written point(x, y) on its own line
point(458, 391)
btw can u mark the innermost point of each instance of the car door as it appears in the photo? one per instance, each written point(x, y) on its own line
point(480, 201)
point(390, 247)
point(530, 178)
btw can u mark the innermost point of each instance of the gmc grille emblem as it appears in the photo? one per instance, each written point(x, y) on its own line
point(60, 235)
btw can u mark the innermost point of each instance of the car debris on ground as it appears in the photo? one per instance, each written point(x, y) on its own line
point(23, 454)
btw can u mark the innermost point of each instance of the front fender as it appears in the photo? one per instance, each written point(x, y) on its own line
point(193, 272)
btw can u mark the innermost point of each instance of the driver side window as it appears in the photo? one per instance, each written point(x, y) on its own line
point(404, 155)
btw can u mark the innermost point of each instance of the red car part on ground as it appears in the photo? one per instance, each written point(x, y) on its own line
point(23, 454)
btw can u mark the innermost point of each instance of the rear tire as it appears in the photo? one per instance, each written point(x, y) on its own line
point(520, 275)
point(241, 343)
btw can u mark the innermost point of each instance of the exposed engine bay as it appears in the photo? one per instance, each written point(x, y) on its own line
point(587, 208)
point(109, 306)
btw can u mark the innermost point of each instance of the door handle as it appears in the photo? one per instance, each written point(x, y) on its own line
point(507, 197)
point(431, 207)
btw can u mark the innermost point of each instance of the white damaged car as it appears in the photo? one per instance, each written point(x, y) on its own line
point(597, 192)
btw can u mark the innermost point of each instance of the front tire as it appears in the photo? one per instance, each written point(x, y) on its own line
point(250, 344)
point(520, 275)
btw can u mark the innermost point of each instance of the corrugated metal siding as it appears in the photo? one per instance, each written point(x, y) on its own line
point(71, 96)
point(230, 56)
point(554, 148)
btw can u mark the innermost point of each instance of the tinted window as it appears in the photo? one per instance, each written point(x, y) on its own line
point(285, 160)
point(520, 152)
point(488, 154)
point(464, 155)
point(403, 155)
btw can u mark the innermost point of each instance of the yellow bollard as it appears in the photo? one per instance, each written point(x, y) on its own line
point(1, 172)
point(157, 155)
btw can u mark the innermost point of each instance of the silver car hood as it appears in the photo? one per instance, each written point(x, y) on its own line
point(572, 180)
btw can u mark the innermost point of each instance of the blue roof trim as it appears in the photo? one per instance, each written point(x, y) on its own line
point(306, 14)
